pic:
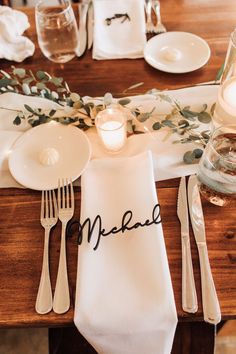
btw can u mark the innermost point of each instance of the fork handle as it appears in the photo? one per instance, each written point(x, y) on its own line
point(44, 297)
point(61, 300)
point(156, 7)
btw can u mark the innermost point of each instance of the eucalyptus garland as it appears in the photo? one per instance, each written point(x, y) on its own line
point(80, 112)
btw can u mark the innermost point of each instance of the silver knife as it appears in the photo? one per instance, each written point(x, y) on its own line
point(90, 25)
point(189, 296)
point(82, 32)
point(211, 307)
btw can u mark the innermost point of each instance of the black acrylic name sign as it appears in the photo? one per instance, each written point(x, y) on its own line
point(95, 228)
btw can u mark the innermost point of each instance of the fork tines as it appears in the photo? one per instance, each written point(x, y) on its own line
point(65, 193)
point(48, 204)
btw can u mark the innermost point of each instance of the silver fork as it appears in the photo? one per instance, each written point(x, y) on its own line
point(61, 300)
point(48, 218)
point(159, 27)
point(149, 23)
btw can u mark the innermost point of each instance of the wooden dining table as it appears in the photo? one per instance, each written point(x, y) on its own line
point(22, 237)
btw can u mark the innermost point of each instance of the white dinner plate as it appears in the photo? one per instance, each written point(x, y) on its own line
point(177, 52)
point(71, 144)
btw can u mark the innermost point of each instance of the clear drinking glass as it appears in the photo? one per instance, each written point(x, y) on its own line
point(56, 29)
point(217, 167)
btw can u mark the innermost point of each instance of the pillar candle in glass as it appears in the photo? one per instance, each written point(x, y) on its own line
point(225, 110)
point(111, 128)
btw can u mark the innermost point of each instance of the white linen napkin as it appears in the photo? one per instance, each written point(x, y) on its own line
point(124, 297)
point(14, 46)
point(119, 40)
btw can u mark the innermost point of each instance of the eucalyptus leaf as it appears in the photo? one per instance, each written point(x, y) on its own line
point(188, 114)
point(57, 81)
point(212, 110)
point(189, 157)
point(74, 97)
point(28, 108)
point(52, 112)
point(17, 120)
point(26, 89)
point(157, 126)
point(124, 101)
point(198, 153)
point(41, 75)
point(40, 85)
point(107, 99)
point(5, 82)
point(142, 117)
point(204, 117)
point(168, 123)
point(165, 98)
point(19, 72)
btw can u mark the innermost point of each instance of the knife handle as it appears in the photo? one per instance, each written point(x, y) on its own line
point(189, 296)
point(210, 303)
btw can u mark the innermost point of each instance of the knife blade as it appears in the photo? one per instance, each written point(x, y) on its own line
point(90, 25)
point(189, 296)
point(82, 32)
point(210, 303)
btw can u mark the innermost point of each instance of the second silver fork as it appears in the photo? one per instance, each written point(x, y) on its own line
point(48, 218)
point(61, 300)
point(159, 27)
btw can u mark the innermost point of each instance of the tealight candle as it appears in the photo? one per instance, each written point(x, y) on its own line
point(111, 127)
point(225, 110)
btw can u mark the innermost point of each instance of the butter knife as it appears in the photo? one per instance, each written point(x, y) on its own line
point(82, 32)
point(189, 296)
point(211, 307)
point(90, 25)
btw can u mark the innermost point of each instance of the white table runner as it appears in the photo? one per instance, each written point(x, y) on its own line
point(167, 158)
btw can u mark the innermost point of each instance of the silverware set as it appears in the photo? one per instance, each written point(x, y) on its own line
point(86, 21)
point(151, 27)
point(192, 203)
point(53, 209)
point(85, 33)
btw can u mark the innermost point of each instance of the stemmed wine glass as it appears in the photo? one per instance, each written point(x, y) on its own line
point(56, 29)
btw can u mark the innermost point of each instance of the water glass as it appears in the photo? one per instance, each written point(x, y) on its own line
point(217, 167)
point(56, 29)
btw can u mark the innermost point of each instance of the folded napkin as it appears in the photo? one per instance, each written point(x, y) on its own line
point(124, 297)
point(119, 40)
point(13, 46)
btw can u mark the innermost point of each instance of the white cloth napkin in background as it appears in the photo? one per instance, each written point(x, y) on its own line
point(124, 297)
point(119, 40)
point(14, 46)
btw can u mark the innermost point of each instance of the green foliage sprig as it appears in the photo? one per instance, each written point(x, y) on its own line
point(75, 110)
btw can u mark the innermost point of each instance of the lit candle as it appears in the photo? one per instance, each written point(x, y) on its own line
point(111, 127)
point(229, 93)
point(225, 110)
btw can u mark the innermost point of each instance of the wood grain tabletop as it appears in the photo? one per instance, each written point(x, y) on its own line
point(21, 235)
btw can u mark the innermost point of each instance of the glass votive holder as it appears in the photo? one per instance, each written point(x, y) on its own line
point(217, 167)
point(111, 127)
point(225, 109)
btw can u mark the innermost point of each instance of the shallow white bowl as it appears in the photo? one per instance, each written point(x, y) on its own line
point(70, 142)
point(191, 51)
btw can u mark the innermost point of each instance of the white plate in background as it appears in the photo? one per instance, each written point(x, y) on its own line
point(177, 52)
point(70, 142)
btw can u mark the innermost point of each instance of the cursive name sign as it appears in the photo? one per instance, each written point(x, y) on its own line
point(97, 230)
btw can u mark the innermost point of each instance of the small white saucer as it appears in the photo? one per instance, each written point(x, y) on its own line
point(70, 142)
point(177, 52)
